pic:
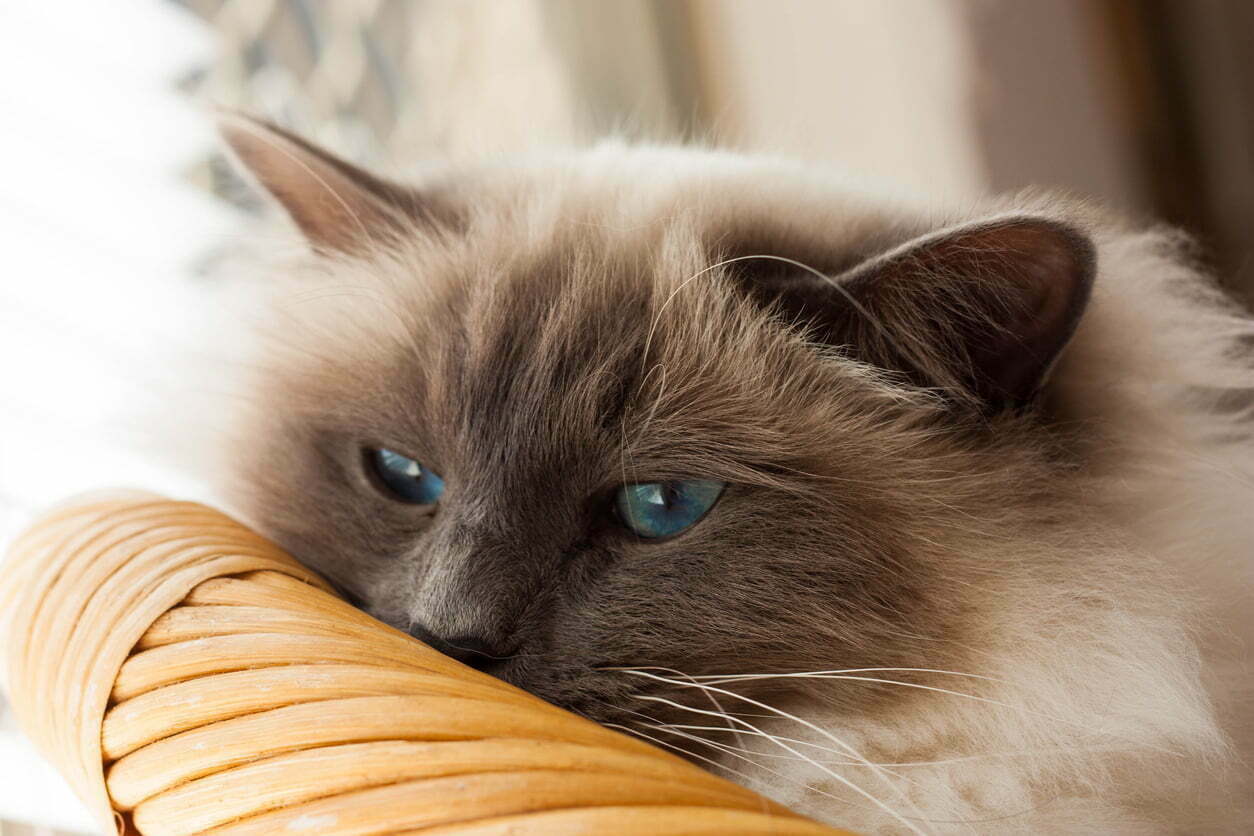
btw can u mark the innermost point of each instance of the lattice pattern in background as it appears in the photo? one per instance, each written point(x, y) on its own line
point(331, 70)
point(393, 82)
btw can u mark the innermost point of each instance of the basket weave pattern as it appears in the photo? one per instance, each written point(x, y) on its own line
point(187, 676)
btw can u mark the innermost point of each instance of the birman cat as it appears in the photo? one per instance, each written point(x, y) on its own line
point(918, 519)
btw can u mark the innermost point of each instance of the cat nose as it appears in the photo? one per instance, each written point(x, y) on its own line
point(469, 650)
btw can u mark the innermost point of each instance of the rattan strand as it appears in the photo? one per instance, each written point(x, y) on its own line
point(187, 677)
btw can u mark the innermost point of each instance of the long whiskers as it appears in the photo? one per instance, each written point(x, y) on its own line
point(823, 675)
point(880, 772)
point(718, 678)
point(735, 753)
point(688, 753)
point(738, 752)
point(718, 707)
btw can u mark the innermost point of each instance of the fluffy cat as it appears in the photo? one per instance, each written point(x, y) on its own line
point(969, 547)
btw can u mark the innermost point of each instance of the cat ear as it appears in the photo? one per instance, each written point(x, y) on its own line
point(981, 311)
point(337, 206)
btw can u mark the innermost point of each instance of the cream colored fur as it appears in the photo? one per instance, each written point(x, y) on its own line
point(1110, 633)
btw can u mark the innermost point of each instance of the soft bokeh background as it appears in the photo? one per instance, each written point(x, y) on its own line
point(114, 205)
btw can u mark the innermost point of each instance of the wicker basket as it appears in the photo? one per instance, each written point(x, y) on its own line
point(187, 676)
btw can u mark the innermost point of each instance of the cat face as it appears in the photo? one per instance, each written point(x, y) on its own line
point(466, 379)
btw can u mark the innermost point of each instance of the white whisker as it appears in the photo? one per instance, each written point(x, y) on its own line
point(774, 737)
point(680, 749)
point(737, 754)
point(732, 677)
point(734, 752)
point(933, 688)
point(710, 696)
point(880, 773)
point(882, 681)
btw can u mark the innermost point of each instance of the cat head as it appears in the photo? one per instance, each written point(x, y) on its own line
point(577, 419)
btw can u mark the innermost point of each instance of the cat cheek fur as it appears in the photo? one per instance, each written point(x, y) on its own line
point(1040, 544)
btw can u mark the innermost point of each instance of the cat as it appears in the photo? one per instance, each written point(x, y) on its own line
point(919, 520)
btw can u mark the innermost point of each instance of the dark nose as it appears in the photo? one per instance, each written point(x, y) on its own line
point(469, 650)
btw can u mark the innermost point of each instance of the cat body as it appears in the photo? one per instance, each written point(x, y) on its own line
point(983, 558)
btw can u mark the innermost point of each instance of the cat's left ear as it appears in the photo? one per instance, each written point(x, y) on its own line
point(338, 206)
point(980, 311)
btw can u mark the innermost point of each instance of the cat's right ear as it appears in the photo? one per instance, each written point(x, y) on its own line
point(338, 206)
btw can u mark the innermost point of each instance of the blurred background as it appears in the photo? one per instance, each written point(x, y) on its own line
point(115, 204)
point(1144, 104)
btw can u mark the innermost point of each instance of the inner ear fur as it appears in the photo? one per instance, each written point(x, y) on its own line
point(980, 311)
point(336, 205)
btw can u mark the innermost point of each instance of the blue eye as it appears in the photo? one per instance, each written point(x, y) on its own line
point(405, 478)
point(660, 509)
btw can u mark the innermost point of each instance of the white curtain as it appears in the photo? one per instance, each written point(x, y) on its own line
point(97, 235)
